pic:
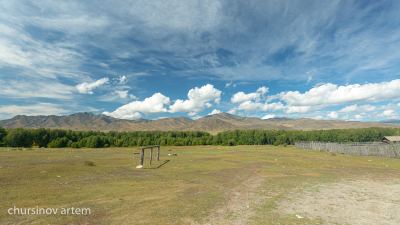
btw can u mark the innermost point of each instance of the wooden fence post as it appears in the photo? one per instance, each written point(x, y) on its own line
point(141, 157)
point(158, 153)
point(151, 154)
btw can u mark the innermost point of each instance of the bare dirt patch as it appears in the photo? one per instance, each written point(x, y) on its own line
point(348, 202)
point(242, 202)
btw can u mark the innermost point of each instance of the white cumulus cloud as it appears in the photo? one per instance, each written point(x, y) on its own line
point(214, 112)
point(196, 117)
point(356, 118)
point(333, 115)
point(350, 108)
point(326, 95)
point(301, 109)
point(120, 80)
point(317, 117)
point(86, 88)
point(242, 97)
point(132, 96)
point(122, 94)
point(249, 106)
point(192, 114)
point(152, 105)
point(262, 90)
point(268, 116)
point(199, 99)
point(275, 106)
point(367, 108)
point(389, 112)
point(321, 96)
point(232, 111)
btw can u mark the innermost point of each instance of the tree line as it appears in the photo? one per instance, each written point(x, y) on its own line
point(56, 138)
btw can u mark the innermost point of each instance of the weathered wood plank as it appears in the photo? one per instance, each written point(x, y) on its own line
point(357, 148)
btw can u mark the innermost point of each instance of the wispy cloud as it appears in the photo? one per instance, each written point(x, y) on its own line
point(210, 37)
point(36, 88)
point(8, 111)
point(86, 88)
point(120, 80)
point(49, 48)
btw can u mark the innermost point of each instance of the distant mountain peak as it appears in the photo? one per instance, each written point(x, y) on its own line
point(83, 114)
point(278, 119)
point(390, 121)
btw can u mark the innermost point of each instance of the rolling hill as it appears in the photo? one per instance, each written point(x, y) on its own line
point(213, 124)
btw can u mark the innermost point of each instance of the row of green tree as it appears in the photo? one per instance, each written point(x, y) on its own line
point(263, 137)
point(54, 138)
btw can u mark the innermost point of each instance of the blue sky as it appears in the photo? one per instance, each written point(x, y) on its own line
point(154, 59)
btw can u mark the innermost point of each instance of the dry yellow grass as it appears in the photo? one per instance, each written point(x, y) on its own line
point(203, 184)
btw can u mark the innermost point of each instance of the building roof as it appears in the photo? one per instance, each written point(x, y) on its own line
point(392, 138)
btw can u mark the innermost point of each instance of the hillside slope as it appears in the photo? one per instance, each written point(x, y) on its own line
point(215, 123)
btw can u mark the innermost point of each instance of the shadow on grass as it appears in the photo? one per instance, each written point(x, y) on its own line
point(165, 162)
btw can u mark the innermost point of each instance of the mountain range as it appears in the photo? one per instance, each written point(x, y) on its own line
point(390, 121)
point(213, 123)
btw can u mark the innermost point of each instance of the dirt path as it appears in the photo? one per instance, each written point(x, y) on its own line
point(353, 202)
point(240, 207)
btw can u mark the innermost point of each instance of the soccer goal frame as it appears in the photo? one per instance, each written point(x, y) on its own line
point(151, 154)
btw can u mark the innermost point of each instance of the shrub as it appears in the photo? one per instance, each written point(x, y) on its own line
point(75, 145)
point(285, 145)
point(276, 143)
point(132, 143)
point(231, 142)
point(106, 146)
point(333, 154)
point(89, 163)
point(162, 143)
point(51, 144)
point(178, 144)
point(69, 143)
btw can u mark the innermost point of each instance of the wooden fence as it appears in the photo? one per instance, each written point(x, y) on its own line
point(354, 148)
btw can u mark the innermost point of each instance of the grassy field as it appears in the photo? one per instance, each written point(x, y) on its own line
point(201, 185)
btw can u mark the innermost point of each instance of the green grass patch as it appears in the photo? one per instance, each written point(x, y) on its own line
point(181, 189)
